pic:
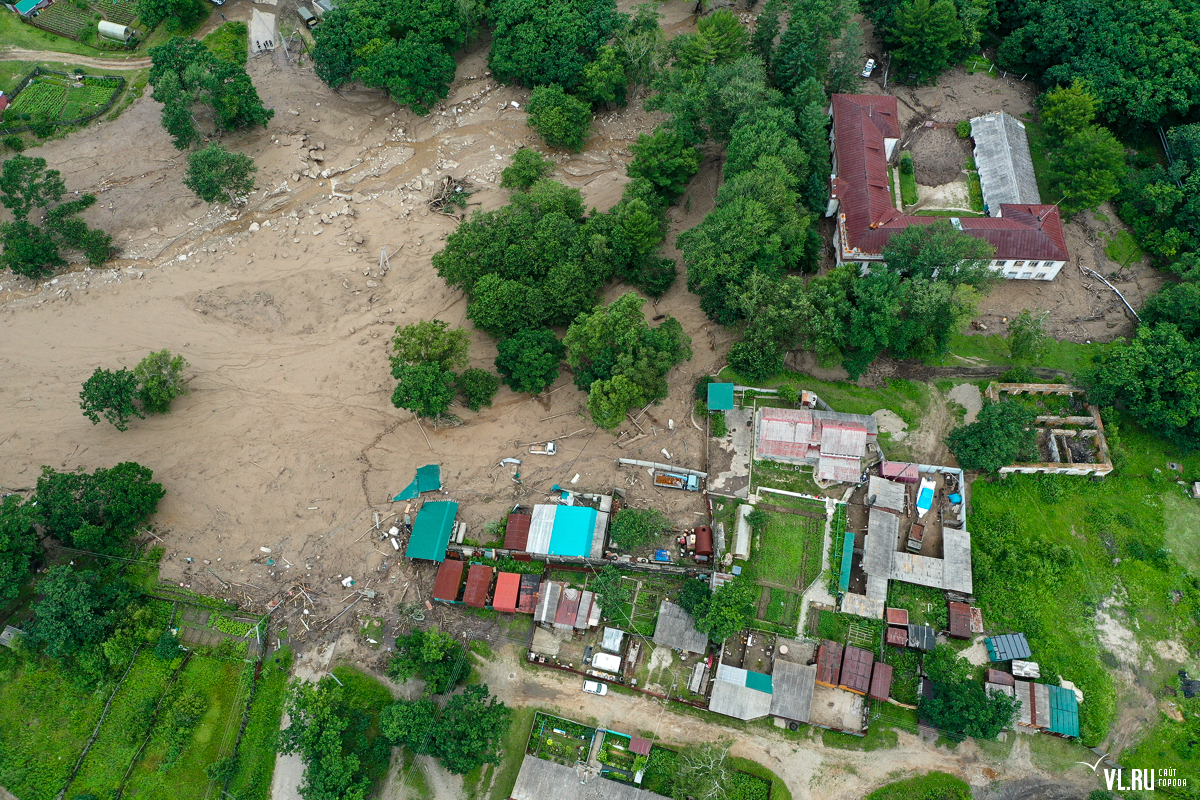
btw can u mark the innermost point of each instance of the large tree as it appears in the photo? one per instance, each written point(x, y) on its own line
point(178, 14)
point(470, 730)
point(404, 47)
point(959, 703)
point(426, 389)
point(73, 611)
point(33, 250)
point(612, 591)
point(185, 73)
point(729, 609)
point(160, 380)
point(528, 361)
point(1001, 435)
point(432, 655)
point(18, 544)
point(111, 393)
point(430, 341)
point(666, 160)
point(215, 174)
point(539, 42)
point(719, 38)
point(1086, 169)
point(328, 732)
point(98, 511)
point(560, 119)
point(620, 360)
point(928, 33)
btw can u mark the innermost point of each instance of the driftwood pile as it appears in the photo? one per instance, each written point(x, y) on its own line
point(449, 194)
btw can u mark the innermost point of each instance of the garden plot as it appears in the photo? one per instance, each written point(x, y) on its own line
point(560, 740)
point(63, 19)
point(59, 98)
point(787, 553)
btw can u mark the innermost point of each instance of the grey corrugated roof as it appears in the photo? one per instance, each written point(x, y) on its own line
point(546, 780)
point(1004, 163)
point(793, 690)
point(887, 494)
point(676, 629)
point(731, 697)
point(956, 553)
point(883, 532)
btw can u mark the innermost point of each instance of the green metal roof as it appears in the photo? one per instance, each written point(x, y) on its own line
point(847, 557)
point(574, 527)
point(1064, 711)
point(431, 531)
point(758, 681)
point(428, 479)
point(720, 397)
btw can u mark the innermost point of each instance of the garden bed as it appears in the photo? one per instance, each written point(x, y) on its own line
point(560, 740)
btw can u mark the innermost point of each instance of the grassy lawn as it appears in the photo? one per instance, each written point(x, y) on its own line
point(256, 753)
point(980, 63)
point(1041, 164)
point(519, 727)
point(21, 35)
point(779, 790)
point(788, 551)
point(159, 775)
point(1044, 549)
point(975, 191)
point(48, 721)
point(993, 349)
point(127, 722)
point(908, 188)
point(931, 784)
point(1183, 528)
point(925, 606)
point(788, 477)
point(230, 41)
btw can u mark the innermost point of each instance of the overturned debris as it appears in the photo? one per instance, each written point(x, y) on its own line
point(449, 194)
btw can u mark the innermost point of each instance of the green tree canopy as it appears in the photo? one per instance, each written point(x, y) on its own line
point(178, 14)
point(960, 704)
point(184, 73)
point(719, 38)
point(666, 160)
point(329, 733)
point(929, 33)
point(111, 393)
point(73, 611)
point(160, 380)
point(215, 174)
point(529, 360)
point(604, 80)
point(560, 119)
point(31, 250)
point(470, 730)
point(1177, 304)
point(434, 656)
point(1155, 377)
point(729, 609)
point(528, 167)
point(612, 590)
point(430, 341)
point(1086, 169)
point(18, 544)
point(695, 597)
point(404, 47)
point(425, 389)
point(632, 528)
point(540, 42)
point(1067, 110)
point(114, 501)
point(1028, 341)
point(621, 360)
point(1000, 435)
point(411, 724)
point(477, 386)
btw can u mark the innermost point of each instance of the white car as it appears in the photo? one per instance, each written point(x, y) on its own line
point(868, 68)
point(595, 687)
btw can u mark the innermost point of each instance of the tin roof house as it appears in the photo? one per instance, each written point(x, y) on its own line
point(834, 443)
point(1026, 235)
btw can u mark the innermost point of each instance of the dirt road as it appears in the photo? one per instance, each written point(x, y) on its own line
point(17, 54)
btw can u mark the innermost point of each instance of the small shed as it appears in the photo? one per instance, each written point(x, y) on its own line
point(508, 588)
point(960, 620)
point(740, 693)
point(516, 532)
point(900, 471)
point(881, 681)
point(548, 598)
point(897, 637)
point(677, 629)
point(111, 30)
point(1007, 647)
point(885, 494)
point(527, 596)
point(612, 640)
point(829, 663)
point(431, 531)
point(479, 580)
point(449, 581)
point(607, 662)
point(856, 670)
point(568, 609)
point(792, 690)
point(639, 746)
point(922, 637)
point(720, 397)
point(997, 676)
point(897, 616)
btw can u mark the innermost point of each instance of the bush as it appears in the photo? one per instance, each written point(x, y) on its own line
point(635, 527)
point(719, 428)
point(963, 129)
point(529, 360)
point(906, 163)
point(756, 361)
point(478, 387)
point(560, 119)
point(528, 167)
point(14, 143)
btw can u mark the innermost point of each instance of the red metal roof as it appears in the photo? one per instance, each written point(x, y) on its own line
point(449, 580)
point(829, 663)
point(881, 681)
point(856, 670)
point(897, 616)
point(516, 535)
point(897, 637)
point(999, 676)
point(568, 608)
point(639, 746)
point(867, 216)
point(528, 597)
point(960, 620)
point(900, 471)
point(508, 586)
point(479, 580)
point(786, 433)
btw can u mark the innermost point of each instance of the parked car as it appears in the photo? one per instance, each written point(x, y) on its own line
point(868, 68)
point(595, 687)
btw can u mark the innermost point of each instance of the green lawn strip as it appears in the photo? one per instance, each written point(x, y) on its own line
point(787, 477)
point(48, 722)
point(779, 790)
point(925, 606)
point(789, 542)
point(940, 785)
point(1041, 164)
point(223, 684)
point(230, 42)
point(123, 729)
point(879, 736)
point(906, 676)
point(1183, 528)
point(256, 753)
point(975, 191)
point(909, 399)
point(993, 349)
point(834, 626)
point(22, 35)
point(1043, 568)
point(908, 188)
point(513, 753)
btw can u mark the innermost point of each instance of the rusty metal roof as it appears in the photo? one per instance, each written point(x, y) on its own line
point(829, 663)
point(528, 597)
point(508, 586)
point(856, 670)
point(448, 581)
point(479, 580)
point(516, 534)
point(881, 681)
point(960, 620)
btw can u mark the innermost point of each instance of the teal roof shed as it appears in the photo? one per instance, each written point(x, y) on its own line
point(720, 397)
point(573, 529)
point(25, 6)
point(1064, 712)
point(431, 531)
